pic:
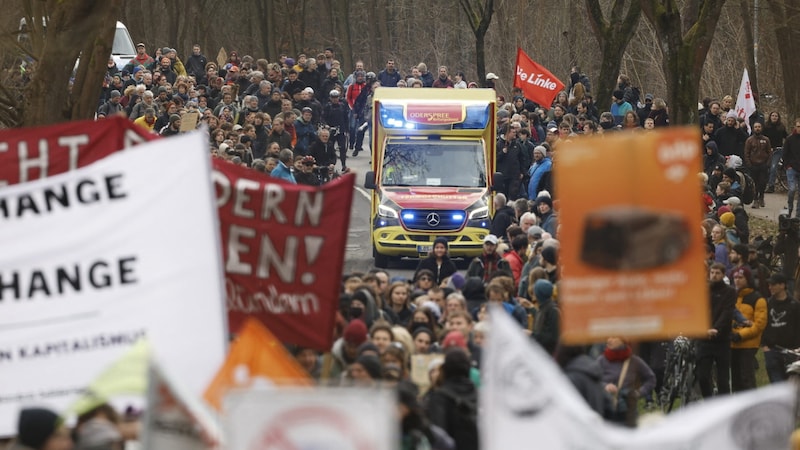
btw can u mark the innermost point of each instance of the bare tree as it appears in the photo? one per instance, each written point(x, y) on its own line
point(613, 35)
point(750, 51)
point(785, 14)
point(685, 39)
point(479, 15)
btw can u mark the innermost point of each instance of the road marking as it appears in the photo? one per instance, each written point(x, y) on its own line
point(364, 192)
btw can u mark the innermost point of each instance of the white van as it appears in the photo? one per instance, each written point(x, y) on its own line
point(122, 50)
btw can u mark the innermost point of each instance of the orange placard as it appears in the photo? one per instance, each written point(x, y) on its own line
point(255, 355)
point(631, 246)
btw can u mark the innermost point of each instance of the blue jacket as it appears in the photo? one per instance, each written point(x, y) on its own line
point(536, 172)
point(283, 172)
point(306, 135)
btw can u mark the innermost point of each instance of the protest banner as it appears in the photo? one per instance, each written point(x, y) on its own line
point(174, 419)
point(255, 357)
point(526, 398)
point(537, 83)
point(37, 152)
point(745, 102)
point(283, 247)
point(352, 418)
point(97, 258)
point(632, 249)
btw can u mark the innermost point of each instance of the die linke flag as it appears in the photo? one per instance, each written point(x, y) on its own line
point(536, 82)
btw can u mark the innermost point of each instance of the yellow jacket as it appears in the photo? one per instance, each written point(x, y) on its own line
point(753, 306)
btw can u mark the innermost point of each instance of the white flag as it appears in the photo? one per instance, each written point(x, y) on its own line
point(745, 103)
point(526, 399)
point(174, 419)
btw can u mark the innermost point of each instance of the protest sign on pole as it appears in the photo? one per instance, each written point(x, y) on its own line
point(99, 257)
point(536, 82)
point(745, 102)
point(256, 356)
point(352, 418)
point(525, 398)
point(283, 248)
point(28, 154)
point(632, 250)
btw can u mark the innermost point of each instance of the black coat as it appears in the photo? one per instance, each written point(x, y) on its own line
point(584, 373)
point(443, 403)
point(439, 272)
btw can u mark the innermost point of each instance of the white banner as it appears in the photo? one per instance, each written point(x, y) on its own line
point(745, 103)
point(95, 259)
point(175, 420)
point(298, 418)
point(525, 396)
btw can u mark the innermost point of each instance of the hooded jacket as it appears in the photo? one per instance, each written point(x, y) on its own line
point(753, 307)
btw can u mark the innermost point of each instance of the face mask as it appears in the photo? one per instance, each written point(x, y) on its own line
point(356, 312)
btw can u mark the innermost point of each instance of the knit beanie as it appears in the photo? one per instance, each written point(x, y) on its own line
point(35, 426)
point(371, 364)
point(543, 289)
point(727, 219)
point(355, 333)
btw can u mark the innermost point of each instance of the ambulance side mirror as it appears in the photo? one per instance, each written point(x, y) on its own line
point(369, 180)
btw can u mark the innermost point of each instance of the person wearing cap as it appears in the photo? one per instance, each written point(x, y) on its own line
point(547, 216)
point(305, 131)
point(741, 221)
point(489, 262)
point(174, 126)
point(644, 112)
point(783, 328)
point(491, 80)
point(539, 171)
point(730, 138)
point(334, 114)
point(746, 339)
point(112, 106)
point(141, 59)
point(715, 348)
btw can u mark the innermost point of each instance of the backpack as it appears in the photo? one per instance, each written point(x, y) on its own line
point(636, 95)
point(466, 411)
point(748, 187)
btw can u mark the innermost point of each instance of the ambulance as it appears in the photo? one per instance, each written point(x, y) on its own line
point(433, 162)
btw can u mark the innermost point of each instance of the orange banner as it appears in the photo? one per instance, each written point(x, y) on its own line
point(632, 252)
point(255, 354)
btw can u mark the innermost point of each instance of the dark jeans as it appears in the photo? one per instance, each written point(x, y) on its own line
point(341, 141)
point(709, 353)
point(760, 174)
point(776, 366)
point(743, 369)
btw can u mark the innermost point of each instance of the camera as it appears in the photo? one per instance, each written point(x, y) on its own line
point(787, 224)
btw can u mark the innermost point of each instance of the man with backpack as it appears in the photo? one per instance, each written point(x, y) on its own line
point(453, 401)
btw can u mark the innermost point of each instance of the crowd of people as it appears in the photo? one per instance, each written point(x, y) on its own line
point(296, 119)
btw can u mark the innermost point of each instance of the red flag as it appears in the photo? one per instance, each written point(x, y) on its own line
point(536, 82)
point(28, 154)
point(283, 248)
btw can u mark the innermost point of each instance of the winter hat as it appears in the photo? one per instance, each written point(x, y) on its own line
point(457, 281)
point(97, 433)
point(174, 118)
point(730, 172)
point(431, 306)
point(289, 62)
point(727, 219)
point(722, 210)
point(115, 93)
point(618, 94)
point(733, 202)
point(456, 363)
point(731, 115)
point(368, 347)
point(745, 272)
point(545, 199)
point(543, 289)
point(741, 249)
point(550, 255)
point(35, 426)
point(371, 364)
point(454, 339)
point(440, 240)
point(535, 232)
point(540, 149)
point(355, 333)
point(502, 114)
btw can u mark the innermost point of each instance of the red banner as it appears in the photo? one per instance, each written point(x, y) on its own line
point(536, 82)
point(37, 152)
point(283, 247)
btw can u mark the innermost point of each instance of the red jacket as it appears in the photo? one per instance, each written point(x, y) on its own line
point(516, 263)
point(352, 93)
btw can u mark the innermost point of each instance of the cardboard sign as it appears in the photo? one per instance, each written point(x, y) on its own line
point(297, 418)
point(189, 121)
point(283, 247)
point(419, 370)
point(631, 247)
point(33, 153)
point(97, 258)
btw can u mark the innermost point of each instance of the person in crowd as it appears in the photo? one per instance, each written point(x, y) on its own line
point(584, 373)
point(438, 262)
point(547, 326)
point(714, 350)
point(626, 378)
point(453, 403)
point(757, 155)
point(746, 339)
point(783, 328)
point(41, 429)
point(775, 131)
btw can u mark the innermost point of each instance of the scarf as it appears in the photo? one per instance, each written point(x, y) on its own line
point(618, 354)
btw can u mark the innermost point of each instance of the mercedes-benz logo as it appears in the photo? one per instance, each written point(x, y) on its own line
point(433, 219)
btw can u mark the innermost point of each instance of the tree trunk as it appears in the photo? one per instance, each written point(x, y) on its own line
point(76, 26)
point(480, 56)
point(749, 49)
point(684, 51)
point(612, 36)
point(479, 16)
point(372, 36)
point(342, 8)
point(787, 33)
